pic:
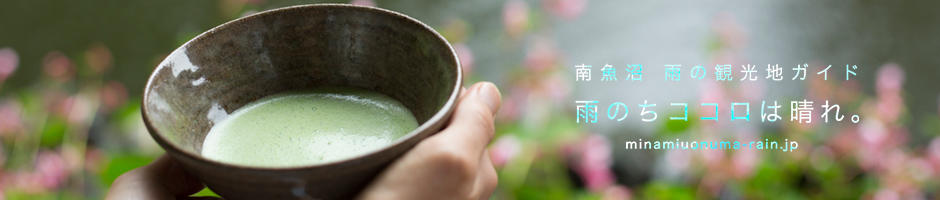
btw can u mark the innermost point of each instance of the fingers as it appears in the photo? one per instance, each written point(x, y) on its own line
point(471, 127)
point(174, 179)
point(452, 164)
point(162, 179)
point(486, 179)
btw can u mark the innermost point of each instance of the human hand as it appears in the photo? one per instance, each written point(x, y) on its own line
point(452, 164)
point(162, 179)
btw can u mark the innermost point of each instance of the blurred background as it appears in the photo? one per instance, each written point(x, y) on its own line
point(72, 72)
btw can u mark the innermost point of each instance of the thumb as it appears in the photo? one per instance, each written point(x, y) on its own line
point(472, 123)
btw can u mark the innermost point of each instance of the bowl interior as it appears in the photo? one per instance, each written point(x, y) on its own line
point(289, 49)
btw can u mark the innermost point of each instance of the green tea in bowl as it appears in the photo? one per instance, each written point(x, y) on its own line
point(304, 128)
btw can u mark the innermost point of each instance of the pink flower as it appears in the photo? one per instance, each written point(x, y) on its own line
point(504, 150)
point(369, 3)
point(466, 57)
point(10, 118)
point(566, 9)
point(9, 60)
point(889, 83)
point(541, 55)
point(98, 58)
point(594, 161)
point(556, 88)
point(873, 136)
point(51, 169)
point(890, 78)
point(57, 66)
point(515, 17)
point(933, 153)
point(886, 194)
point(74, 109)
point(744, 161)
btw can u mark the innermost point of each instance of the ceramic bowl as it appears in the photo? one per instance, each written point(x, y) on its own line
point(297, 48)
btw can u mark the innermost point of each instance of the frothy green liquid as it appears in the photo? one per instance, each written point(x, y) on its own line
point(296, 129)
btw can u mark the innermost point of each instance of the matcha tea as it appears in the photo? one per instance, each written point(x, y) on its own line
point(303, 128)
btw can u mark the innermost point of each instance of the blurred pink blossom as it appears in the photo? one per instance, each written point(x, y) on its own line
point(890, 78)
point(515, 17)
point(51, 169)
point(899, 173)
point(541, 55)
point(743, 161)
point(714, 159)
point(9, 60)
point(845, 143)
point(11, 120)
point(363, 3)
point(74, 109)
point(505, 149)
point(557, 88)
point(886, 194)
point(876, 139)
point(57, 66)
point(592, 161)
point(465, 54)
point(933, 154)
point(566, 9)
point(888, 84)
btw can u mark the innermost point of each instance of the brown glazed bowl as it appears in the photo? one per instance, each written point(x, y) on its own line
point(297, 48)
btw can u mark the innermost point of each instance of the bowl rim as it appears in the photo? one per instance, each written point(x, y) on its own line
point(438, 117)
